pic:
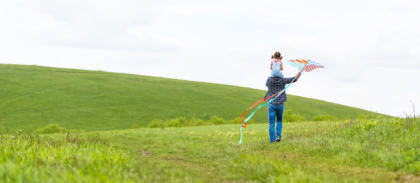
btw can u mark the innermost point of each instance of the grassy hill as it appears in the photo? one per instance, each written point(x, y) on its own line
point(33, 96)
point(365, 150)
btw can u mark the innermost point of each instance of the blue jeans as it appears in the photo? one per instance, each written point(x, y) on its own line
point(275, 111)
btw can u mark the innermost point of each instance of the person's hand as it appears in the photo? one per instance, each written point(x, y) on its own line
point(298, 75)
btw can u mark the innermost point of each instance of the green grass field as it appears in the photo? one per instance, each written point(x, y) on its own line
point(32, 97)
point(105, 136)
point(385, 150)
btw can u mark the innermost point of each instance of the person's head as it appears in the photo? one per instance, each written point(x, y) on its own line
point(277, 55)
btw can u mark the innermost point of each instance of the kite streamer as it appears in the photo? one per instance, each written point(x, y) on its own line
point(302, 65)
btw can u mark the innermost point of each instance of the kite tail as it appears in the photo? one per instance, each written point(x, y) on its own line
point(246, 110)
point(240, 140)
point(272, 99)
point(252, 106)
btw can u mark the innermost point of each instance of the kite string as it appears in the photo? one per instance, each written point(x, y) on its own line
point(252, 114)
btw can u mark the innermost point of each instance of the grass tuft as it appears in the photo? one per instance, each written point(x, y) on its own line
point(50, 128)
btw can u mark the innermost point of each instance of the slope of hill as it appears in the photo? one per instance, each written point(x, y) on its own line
point(33, 96)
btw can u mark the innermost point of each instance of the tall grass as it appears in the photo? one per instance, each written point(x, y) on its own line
point(366, 150)
point(32, 158)
point(393, 144)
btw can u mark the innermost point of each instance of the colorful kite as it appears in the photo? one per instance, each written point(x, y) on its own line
point(303, 65)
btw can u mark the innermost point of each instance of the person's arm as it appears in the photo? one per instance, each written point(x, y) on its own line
point(289, 80)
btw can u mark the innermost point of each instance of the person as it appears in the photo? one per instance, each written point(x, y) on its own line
point(275, 108)
point(276, 65)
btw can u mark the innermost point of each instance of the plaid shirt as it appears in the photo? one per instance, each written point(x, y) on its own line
point(276, 84)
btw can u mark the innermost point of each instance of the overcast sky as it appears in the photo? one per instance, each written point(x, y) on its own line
point(371, 49)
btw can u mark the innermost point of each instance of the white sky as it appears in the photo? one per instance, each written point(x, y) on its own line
point(371, 48)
